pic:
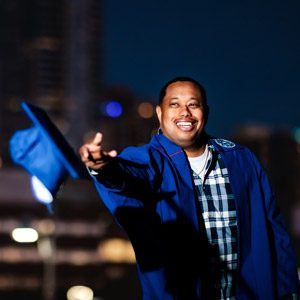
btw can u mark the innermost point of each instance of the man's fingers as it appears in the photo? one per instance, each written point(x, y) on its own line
point(84, 152)
point(97, 139)
point(87, 150)
point(102, 156)
point(92, 154)
point(113, 153)
point(93, 148)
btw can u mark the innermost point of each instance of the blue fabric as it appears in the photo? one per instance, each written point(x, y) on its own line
point(150, 192)
point(32, 150)
point(43, 151)
point(50, 134)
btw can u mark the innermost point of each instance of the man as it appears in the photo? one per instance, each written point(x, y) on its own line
point(199, 211)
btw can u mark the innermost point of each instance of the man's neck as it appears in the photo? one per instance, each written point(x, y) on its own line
point(198, 148)
point(195, 152)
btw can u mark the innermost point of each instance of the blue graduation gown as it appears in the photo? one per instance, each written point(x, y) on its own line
point(150, 192)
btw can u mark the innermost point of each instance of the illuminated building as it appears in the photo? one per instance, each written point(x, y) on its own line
point(51, 56)
point(278, 150)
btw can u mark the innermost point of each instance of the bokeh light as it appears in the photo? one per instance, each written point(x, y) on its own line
point(296, 134)
point(145, 110)
point(25, 235)
point(116, 250)
point(80, 292)
point(113, 109)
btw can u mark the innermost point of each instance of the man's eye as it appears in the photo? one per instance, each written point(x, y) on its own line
point(194, 105)
point(174, 104)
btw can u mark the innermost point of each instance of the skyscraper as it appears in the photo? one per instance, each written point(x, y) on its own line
point(50, 55)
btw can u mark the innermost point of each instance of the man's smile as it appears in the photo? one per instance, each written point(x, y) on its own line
point(185, 125)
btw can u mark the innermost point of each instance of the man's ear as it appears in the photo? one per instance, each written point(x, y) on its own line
point(158, 113)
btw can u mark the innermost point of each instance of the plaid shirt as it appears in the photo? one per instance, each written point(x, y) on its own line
point(219, 214)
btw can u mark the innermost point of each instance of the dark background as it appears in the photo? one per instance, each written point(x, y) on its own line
point(245, 53)
point(72, 57)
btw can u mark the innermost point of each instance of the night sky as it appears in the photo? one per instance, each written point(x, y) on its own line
point(246, 54)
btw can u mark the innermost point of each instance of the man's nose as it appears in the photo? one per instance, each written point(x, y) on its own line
point(185, 111)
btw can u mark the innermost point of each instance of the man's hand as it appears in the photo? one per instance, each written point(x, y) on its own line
point(92, 154)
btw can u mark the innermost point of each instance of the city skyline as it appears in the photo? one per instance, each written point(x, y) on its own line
point(235, 50)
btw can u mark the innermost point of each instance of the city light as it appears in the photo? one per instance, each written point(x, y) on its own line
point(25, 235)
point(296, 134)
point(145, 110)
point(80, 292)
point(113, 109)
point(117, 251)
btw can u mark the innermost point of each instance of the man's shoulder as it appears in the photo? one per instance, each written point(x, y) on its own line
point(229, 148)
point(144, 153)
point(224, 144)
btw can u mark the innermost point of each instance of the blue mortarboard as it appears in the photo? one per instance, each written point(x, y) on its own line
point(43, 151)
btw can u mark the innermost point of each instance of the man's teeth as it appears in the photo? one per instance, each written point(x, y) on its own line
point(184, 123)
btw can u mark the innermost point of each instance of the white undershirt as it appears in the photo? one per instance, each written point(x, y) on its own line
point(198, 163)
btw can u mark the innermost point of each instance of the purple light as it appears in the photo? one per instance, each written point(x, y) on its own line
point(113, 109)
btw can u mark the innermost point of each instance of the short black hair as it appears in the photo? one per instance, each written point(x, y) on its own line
point(182, 78)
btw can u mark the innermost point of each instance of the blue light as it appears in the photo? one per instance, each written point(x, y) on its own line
point(113, 109)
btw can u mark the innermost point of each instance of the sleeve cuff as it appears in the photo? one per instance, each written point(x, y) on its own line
point(92, 172)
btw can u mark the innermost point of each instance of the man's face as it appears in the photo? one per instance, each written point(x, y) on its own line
point(181, 114)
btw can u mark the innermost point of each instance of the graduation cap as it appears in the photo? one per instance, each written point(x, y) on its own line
point(43, 152)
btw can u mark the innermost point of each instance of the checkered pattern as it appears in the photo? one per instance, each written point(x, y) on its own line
point(219, 214)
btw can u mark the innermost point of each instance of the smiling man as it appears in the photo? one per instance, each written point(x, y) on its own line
point(182, 114)
point(199, 210)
